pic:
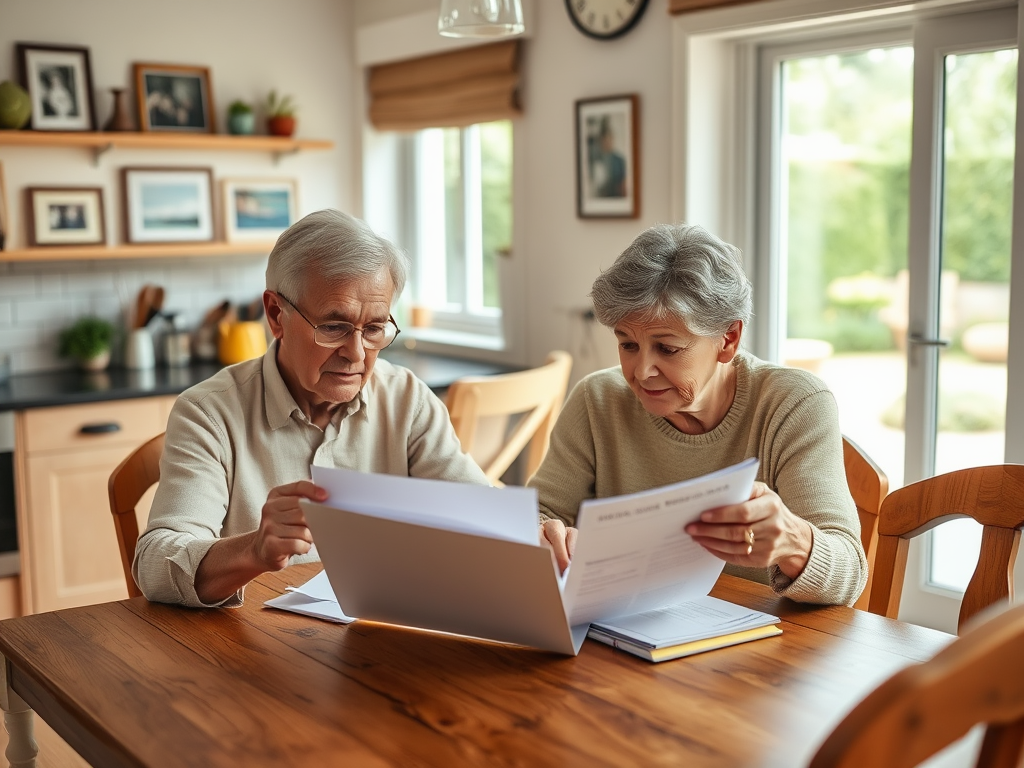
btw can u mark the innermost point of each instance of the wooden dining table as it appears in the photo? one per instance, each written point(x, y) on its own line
point(134, 683)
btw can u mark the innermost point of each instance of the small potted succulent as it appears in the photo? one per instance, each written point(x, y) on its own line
point(241, 118)
point(88, 341)
point(280, 115)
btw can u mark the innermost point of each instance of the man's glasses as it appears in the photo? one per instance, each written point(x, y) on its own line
point(334, 334)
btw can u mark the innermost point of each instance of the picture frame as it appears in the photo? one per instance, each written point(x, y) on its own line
point(167, 205)
point(258, 209)
point(174, 97)
point(608, 157)
point(65, 216)
point(58, 79)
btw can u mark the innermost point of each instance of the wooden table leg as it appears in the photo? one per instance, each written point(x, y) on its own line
point(21, 746)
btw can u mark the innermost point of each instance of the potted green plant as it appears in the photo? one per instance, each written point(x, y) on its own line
point(280, 115)
point(88, 341)
point(241, 118)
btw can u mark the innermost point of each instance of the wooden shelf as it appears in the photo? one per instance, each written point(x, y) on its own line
point(100, 142)
point(134, 251)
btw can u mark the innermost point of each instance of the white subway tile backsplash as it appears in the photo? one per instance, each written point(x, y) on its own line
point(38, 299)
point(19, 285)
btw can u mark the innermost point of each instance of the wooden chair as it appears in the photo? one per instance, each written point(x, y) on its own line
point(979, 678)
point(481, 406)
point(132, 478)
point(993, 496)
point(868, 486)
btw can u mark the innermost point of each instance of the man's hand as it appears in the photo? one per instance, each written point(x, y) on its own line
point(233, 562)
point(561, 540)
point(283, 531)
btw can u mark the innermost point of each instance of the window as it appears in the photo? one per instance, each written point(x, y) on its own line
point(872, 198)
point(463, 225)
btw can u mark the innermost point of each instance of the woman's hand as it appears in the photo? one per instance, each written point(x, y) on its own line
point(757, 533)
point(561, 540)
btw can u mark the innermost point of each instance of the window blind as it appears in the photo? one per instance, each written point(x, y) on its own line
point(471, 85)
point(682, 6)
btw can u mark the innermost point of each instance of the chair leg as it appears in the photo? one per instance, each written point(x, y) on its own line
point(1002, 746)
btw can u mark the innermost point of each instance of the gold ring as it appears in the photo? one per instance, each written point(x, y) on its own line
point(750, 540)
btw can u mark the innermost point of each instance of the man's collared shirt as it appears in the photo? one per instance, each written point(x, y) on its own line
point(240, 433)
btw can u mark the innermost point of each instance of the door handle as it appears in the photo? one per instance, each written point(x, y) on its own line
point(923, 342)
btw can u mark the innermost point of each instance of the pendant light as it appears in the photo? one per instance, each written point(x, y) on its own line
point(480, 18)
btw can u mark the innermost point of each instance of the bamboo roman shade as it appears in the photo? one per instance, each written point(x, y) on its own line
point(471, 85)
point(682, 6)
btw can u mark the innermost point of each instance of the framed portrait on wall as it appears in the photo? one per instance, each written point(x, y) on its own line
point(65, 216)
point(172, 97)
point(258, 209)
point(607, 157)
point(167, 205)
point(59, 84)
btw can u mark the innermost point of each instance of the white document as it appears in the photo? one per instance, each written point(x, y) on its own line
point(314, 598)
point(687, 622)
point(467, 560)
point(498, 513)
point(632, 554)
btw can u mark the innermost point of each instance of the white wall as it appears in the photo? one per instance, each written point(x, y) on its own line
point(562, 253)
point(302, 47)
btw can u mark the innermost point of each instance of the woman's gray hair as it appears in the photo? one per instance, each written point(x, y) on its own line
point(331, 246)
point(678, 271)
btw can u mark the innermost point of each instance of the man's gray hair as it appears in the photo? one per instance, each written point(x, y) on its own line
point(676, 271)
point(331, 246)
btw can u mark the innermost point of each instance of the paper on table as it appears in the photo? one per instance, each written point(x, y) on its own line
point(314, 598)
point(632, 554)
point(693, 620)
point(499, 513)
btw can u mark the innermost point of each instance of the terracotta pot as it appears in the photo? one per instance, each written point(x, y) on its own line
point(97, 363)
point(281, 125)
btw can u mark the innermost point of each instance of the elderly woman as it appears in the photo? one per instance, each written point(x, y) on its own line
point(687, 400)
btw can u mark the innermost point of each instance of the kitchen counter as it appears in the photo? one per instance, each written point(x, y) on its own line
point(41, 390)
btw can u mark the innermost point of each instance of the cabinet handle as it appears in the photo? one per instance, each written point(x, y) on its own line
point(100, 429)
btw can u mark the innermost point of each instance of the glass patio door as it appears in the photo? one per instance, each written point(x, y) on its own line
point(890, 216)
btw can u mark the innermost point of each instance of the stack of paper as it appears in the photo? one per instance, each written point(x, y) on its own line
point(683, 630)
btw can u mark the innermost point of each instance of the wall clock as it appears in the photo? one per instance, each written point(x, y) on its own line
point(605, 19)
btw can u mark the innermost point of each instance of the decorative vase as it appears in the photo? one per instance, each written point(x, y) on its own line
point(281, 125)
point(15, 105)
point(121, 119)
point(241, 123)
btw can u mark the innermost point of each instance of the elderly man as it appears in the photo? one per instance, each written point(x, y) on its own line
point(239, 445)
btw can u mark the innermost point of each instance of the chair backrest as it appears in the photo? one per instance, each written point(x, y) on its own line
point(537, 394)
point(128, 483)
point(868, 486)
point(979, 678)
point(993, 496)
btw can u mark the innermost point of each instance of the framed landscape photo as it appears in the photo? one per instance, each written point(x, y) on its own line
point(59, 84)
point(258, 209)
point(167, 205)
point(172, 97)
point(608, 157)
point(65, 216)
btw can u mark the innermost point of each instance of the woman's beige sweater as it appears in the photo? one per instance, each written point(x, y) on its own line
point(606, 444)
